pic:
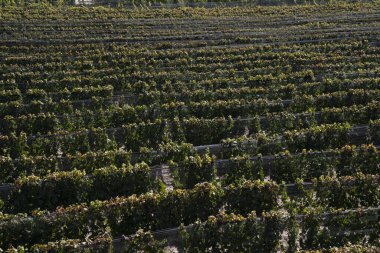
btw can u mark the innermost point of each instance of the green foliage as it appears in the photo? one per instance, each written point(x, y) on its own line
point(65, 188)
point(197, 169)
point(347, 192)
point(242, 168)
point(375, 131)
point(80, 102)
point(139, 242)
point(124, 215)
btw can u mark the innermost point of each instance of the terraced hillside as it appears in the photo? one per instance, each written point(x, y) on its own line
point(221, 129)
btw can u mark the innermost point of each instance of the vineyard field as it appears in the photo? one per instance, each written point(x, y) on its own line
point(165, 126)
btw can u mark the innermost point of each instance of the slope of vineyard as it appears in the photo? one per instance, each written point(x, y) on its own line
point(235, 127)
